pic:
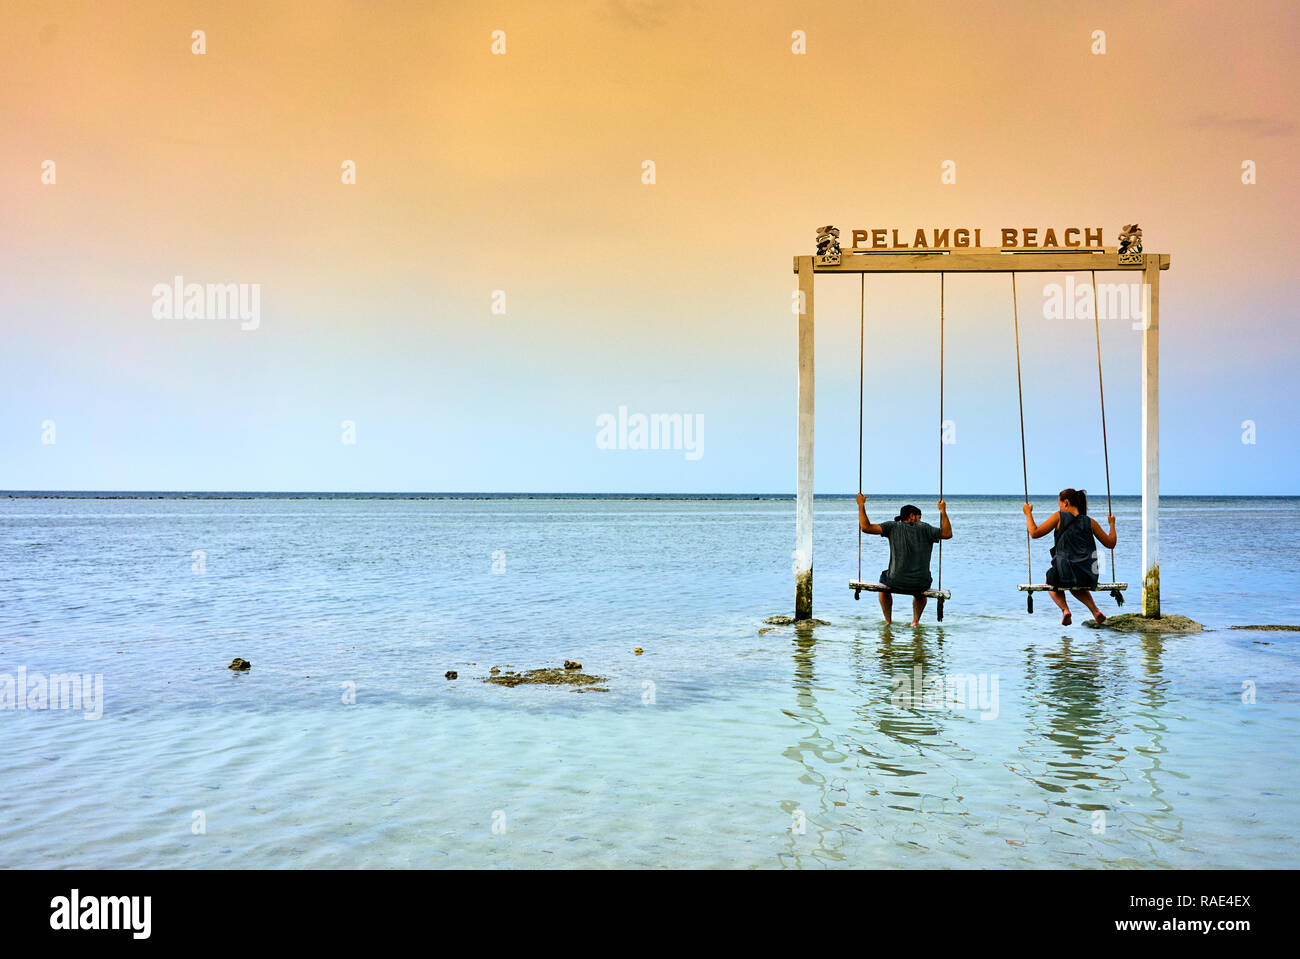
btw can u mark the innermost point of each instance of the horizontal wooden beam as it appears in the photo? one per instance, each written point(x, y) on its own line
point(967, 250)
point(985, 260)
point(1100, 587)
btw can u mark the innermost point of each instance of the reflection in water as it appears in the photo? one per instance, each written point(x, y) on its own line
point(1160, 824)
point(1069, 684)
point(906, 744)
point(1075, 697)
point(901, 657)
point(820, 840)
point(905, 738)
point(1077, 692)
point(893, 755)
point(901, 777)
point(1086, 704)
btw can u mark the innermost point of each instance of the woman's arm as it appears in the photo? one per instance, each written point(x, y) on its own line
point(1106, 539)
point(1035, 530)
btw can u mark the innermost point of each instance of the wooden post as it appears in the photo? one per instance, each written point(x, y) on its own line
point(803, 524)
point(1151, 436)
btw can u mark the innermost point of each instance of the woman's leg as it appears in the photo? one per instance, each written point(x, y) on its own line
point(1085, 596)
point(1058, 598)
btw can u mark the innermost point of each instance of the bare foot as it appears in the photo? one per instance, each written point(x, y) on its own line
point(1101, 617)
point(888, 621)
point(1066, 619)
point(916, 622)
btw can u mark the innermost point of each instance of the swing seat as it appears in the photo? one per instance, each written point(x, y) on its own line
point(864, 587)
point(1099, 588)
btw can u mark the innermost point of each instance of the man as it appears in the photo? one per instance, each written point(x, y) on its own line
point(910, 545)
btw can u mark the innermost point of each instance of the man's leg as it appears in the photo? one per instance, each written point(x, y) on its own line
point(1058, 598)
point(1085, 596)
point(918, 607)
point(887, 606)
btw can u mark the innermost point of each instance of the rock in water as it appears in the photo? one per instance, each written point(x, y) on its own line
point(240, 665)
point(451, 674)
point(553, 677)
point(1137, 623)
point(638, 651)
point(570, 664)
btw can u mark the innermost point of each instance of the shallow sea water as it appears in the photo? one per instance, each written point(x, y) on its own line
point(719, 746)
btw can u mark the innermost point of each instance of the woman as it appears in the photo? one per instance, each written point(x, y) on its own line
point(1074, 555)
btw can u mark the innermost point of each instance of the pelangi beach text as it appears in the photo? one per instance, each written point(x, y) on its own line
point(1012, 237)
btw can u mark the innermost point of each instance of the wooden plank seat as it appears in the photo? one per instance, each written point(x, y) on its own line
point(866, 587)
point(1099, 588)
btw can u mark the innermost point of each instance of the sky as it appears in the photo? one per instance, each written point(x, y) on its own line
point(500, 276)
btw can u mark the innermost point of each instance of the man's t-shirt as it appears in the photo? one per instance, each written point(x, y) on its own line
point(910, 545)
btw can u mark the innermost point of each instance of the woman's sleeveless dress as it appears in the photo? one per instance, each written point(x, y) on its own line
point(1074, 557)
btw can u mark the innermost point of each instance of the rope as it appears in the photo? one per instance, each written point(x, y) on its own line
point(1101, 391)
point(862, 328)
point(1024, 463)
point(941, 278)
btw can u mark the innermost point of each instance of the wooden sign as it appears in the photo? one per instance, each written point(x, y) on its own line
point(948, 238)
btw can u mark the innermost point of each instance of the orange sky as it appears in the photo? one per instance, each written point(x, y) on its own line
point(523, 172)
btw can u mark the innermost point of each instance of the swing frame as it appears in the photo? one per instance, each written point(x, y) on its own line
point(983, 260)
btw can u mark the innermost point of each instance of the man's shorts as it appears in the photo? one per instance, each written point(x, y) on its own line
point(907, 590)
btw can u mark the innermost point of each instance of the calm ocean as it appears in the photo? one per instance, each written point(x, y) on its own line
point(719, 746)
